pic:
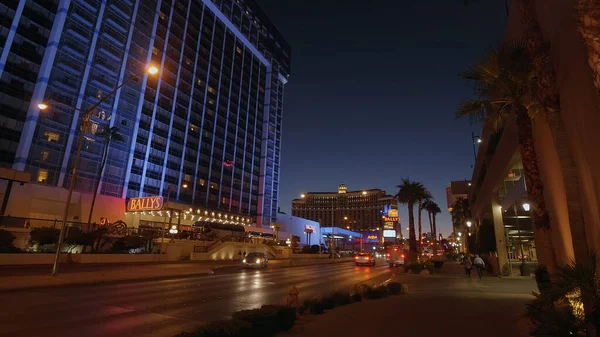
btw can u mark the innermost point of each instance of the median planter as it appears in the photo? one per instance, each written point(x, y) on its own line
point(268, 320)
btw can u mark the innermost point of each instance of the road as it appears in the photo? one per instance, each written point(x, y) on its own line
point(166, 307)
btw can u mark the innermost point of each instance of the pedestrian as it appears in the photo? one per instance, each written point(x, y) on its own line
point(244, 253)
point(479, 265)
point(468, 265)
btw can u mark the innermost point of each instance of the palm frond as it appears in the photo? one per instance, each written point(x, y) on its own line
point(476, 110)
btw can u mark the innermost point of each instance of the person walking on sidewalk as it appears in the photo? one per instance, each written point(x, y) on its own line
point(468, 265)
point(479, 265)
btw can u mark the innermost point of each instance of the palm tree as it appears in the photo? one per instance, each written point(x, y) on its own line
point(108, 135)
point(427, 206)
point(424, 196)
point(432, 209)
point(505, 88)
point(587, 13)
point(409, 193)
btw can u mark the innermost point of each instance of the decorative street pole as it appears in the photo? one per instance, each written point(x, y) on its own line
point(84, 127)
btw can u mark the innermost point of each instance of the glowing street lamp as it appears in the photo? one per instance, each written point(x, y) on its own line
point(526, 207)
point(152, 70)
point(364, 192)
point(469, 224)
point(459, 235)
point(302, 195)
point(43, 106)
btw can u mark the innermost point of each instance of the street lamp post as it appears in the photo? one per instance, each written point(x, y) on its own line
point(84, 126)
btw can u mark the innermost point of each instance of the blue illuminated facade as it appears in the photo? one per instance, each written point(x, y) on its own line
point(210, 122)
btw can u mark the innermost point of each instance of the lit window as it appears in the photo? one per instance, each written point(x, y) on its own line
point(209, 112)
point(162, 15)
point(45, 155)
point(211, 101)
point(214, 185)
point(211, 90)
point(154, 50)
point(201, 182)
point(42, 176)
point(199, 81)
point(51, 136)
point(238, 50)
point(187, 177)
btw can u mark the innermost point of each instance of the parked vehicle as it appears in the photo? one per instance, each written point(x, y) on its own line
point(363, 259)
point(256, 260)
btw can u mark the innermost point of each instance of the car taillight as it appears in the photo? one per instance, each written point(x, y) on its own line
point(356, 257)
point(402, 255)
point(388, 255)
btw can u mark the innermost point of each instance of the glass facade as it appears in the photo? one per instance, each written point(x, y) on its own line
point(206, 131)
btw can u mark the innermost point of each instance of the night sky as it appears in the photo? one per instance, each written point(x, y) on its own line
point(373, 91)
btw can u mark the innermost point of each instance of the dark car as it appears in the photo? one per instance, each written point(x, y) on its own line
point(256, 260)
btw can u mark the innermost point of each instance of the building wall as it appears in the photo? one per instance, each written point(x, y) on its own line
point(293, 225)
point(363, 211)
point(211, 121)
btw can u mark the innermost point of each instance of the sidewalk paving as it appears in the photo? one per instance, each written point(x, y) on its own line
point(445, 304)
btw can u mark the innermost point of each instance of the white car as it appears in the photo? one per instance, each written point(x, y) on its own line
point(256, 260)
point(363, 259)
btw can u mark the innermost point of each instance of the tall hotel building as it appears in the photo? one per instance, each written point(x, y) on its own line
point(353, 210)
point(206, 131)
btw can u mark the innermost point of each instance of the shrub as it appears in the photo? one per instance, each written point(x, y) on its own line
point(45, 235)
point(230, 328)
point(376, 293)
point(341, 298)
point(356, 297)
point(264, 320)
point(428, 265)
point(542, 278)
point(286, 316)
point(303, 307)
point(394, 288)
point(124, 244)
point(327, 302)
point(316, 307)
point(415, 267)
point(6, 242)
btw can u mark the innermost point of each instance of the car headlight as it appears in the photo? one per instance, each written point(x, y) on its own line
point(257, 260)
point(244, 261)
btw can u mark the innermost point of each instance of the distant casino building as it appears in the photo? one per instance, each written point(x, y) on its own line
point(353, 210)
point(206, 131)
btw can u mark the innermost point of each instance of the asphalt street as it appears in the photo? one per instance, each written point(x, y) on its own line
point(166, 307)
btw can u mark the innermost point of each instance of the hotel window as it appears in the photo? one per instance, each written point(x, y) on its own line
point(187, 177)
point(201, 182)
point(51, 136)
point(238, 50)
point(214, 185)
point(42, 176)
point(44, 155)
point(211, 90)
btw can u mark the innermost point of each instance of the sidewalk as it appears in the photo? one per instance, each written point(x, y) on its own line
point(445, 304)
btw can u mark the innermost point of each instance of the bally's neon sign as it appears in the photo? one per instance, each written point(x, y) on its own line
point(145, 204)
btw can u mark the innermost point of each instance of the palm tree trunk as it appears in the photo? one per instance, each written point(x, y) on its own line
point(420, 208)
point(535, 192)
point(550, 100)
point(434, 228)
point(588, 15)
point(412, 242)
point(97, 182)
point(430, 223)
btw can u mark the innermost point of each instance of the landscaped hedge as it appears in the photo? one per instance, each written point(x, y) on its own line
point(230, 328)
point(394, 288)
point(268, 320)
